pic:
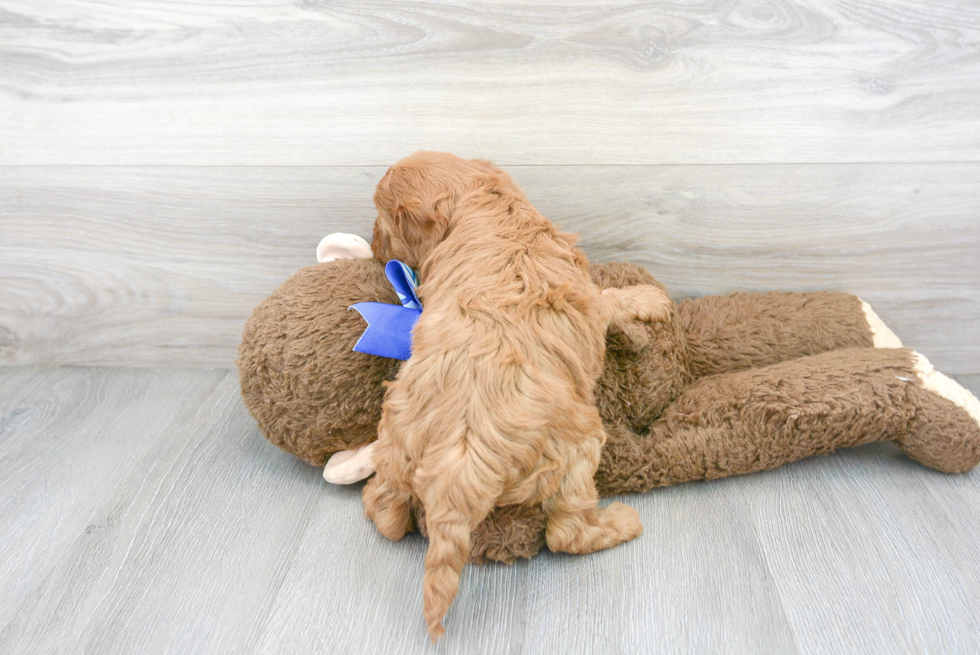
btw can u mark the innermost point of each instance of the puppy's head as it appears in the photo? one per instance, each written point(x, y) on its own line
point(416, 198)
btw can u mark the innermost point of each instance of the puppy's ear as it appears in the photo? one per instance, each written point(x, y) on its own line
point(401, 216)
point(380, 242)
point(424, 223)
point(442, 209)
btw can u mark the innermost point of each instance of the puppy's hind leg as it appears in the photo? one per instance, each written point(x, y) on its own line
point(643, 302)
point(388, 506)
point(575, 522)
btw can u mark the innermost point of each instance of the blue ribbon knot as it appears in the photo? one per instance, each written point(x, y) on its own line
point(389, 330)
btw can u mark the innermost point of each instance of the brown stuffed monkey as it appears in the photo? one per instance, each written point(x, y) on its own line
point(729, 385)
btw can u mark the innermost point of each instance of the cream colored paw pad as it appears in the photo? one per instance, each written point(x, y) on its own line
point(946, 387)
point(881, 334)
point(350, 466)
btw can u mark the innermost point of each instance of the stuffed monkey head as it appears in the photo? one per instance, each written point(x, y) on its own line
point(310, 393)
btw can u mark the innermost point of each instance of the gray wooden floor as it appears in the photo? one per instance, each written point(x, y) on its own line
point(141, 512)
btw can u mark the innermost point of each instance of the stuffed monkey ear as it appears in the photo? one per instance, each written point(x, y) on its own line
point(341, 245)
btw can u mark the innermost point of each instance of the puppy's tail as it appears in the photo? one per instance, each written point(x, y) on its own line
point(454, 506)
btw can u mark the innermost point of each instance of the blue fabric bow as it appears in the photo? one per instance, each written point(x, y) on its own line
point(389, 330)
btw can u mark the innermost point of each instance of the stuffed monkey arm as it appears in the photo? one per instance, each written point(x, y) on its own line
point(754, 420)
point(743, 331)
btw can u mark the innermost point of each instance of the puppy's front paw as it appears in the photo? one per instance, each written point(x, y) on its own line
point(654, 305)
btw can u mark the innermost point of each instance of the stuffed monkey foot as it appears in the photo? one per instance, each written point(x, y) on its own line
point(945, 432)
point(881, 334)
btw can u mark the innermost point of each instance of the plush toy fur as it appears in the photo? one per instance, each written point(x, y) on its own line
point(728, 385)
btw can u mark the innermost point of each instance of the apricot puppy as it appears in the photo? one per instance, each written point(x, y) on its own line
point(495, 406)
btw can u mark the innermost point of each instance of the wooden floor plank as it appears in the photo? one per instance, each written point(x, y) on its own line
point(869, 554)
point(696, 581)
point(143, 512)
point(161, 266)
point(614, 82)
point(73, 436)
point(183, 554)
point(16, 384)
point(687, 584)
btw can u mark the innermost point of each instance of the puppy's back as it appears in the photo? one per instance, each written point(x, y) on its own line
point(504, 360)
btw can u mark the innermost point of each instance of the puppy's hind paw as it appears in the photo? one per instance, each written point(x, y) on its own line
point(388, 507)
point(622, 521)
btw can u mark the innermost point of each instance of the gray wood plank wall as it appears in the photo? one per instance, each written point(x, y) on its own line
point(163, 166)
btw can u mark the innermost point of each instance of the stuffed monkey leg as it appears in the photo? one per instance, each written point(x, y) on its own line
point(756, 420)
point(759, 419)
point(742, 331)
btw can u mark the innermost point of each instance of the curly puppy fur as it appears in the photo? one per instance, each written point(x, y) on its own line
point(496, 405)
